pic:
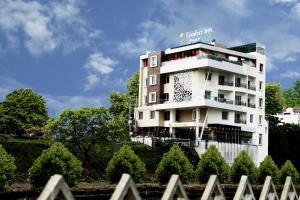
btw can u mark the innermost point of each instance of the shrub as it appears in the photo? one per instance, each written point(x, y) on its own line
point(268, 168)
point(288, 169)
point(174, 162)
point(125, 161)
point(212, 162)
point(55, 160)
point(7, 169)
point(243, 165)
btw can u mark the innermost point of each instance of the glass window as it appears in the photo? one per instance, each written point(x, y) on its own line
point(251, 118)
point(208, 76)
point(207, 95)
point(140, 115)
point(194, 114)
point(152, 79)
point(152, 97)
point(224, 115)
point(261, 67)
point(166, 96)
point(260, 139)
point(260, 119)
point(153, 61)
point(260, 85)
point(152, 114)
point(260, 102)
point(167, 115)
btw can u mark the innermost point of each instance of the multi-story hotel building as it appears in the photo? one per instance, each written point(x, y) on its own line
point(202, 94)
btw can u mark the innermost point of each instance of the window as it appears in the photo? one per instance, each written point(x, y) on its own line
point(140, 115)
point(251, 118)
point(207, 94)
point(167, 115)
point(194, 115)
point(260, 139)
point(153, 61)
point(260, 102)
point(152, 97)
point(224, 115)
point(152, 79)
point(208, 76)
point(261, 67)
point(165, 79)
point(166, 97)
point(260, 120)
point(152, 114)
point(260, 85)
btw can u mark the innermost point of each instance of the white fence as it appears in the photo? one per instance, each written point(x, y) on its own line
point(57, 188)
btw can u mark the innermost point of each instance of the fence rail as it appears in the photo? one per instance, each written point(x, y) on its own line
point(57, 188)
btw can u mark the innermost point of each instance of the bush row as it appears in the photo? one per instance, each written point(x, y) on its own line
point(58, 160)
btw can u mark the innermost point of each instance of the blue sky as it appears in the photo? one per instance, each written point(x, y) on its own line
point(74, 52)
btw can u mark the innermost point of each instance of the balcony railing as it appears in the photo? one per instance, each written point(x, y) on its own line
point(218, 99)
point(220, 59)
point(251, 87)
point(251, 105)
point(240, 103)
point(239, 121)
point(226, 83)
point(243, 85)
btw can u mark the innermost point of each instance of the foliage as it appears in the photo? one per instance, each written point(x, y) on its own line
point(24, 150)
point(210, 163)
point(125, 161)
point(284, 140)
point(274, 100)
point(89, 125)
point(243, 165)
point(292, 95)
point(55, 160)
point(174, 162)
point(22, 109)
point(133, 87)
point(268, 168)
point(7, 169)
point(288, 169)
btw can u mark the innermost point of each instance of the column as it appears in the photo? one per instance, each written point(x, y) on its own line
point(172, 120)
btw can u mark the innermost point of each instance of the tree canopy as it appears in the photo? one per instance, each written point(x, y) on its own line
point(292, 95)
point(22, 109)
point(274, 100)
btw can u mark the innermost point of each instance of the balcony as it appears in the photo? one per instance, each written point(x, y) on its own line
point(251, 105)
point(251, 87)
point(226, 83)
point(241, 85)
point(239, 121)
point(240, 103)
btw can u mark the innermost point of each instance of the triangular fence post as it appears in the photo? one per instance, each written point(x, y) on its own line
point(174, 187)
point(288, 192)
point(56, 188)
point(126, 188)
point(268, 191)
point(244, 190)
point(213, 189)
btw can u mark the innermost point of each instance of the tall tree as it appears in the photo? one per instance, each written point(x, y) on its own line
point(80, 130)
point(22, 109)
point(274, 100)
point(133, 88)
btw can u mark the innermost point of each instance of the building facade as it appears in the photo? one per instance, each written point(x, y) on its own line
point(290, 116)
point(202, 94)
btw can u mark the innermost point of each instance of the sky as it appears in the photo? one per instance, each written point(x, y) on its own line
point(75, 52)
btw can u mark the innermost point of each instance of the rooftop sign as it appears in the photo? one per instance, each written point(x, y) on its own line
point(198, 35)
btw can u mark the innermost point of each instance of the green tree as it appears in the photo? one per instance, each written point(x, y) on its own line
point(55, 160)
point(288, 169)
point(125, 161)
point(210, 163)
point(274, 100)
point(292, 95)
point(268, 168)
point(80, 130)
point(243, 165)
point(174, 162)
point(133, 88)
point(7, 169)
point(22, 109)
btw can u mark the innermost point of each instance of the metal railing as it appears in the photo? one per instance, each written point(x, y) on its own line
point(56, 188)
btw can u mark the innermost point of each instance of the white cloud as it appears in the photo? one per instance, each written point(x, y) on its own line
point(96, 66)
point(291, 75)
point(284, 1)
point(42, 28)
point(237, 7)
point(58, 103)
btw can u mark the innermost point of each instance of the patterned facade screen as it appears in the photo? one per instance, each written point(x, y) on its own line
point(183, 86)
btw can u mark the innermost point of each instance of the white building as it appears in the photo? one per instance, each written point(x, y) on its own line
point(290, 116)
point(202, 94)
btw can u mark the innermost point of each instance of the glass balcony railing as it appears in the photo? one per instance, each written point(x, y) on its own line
point(239, 121)
point(242, 85)
point(226, 83)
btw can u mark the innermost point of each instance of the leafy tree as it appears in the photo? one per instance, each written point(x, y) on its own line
point(55, 160)
point(212, 162)
point(268, 168)
point(297, 87)
point(125, 161)
point(174, 162)
point(7, 169)
point(22, 109)
point(80, 130)
point(292, 95)
point(274, 100)
point(243, 165)
point(288, 169)
point(133, 87)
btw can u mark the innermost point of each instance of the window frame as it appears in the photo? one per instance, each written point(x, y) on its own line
point(150, 97)
point(152, 114)
point(154, 78)
point(226, 115)
point(141, 115)
point(153, 61)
